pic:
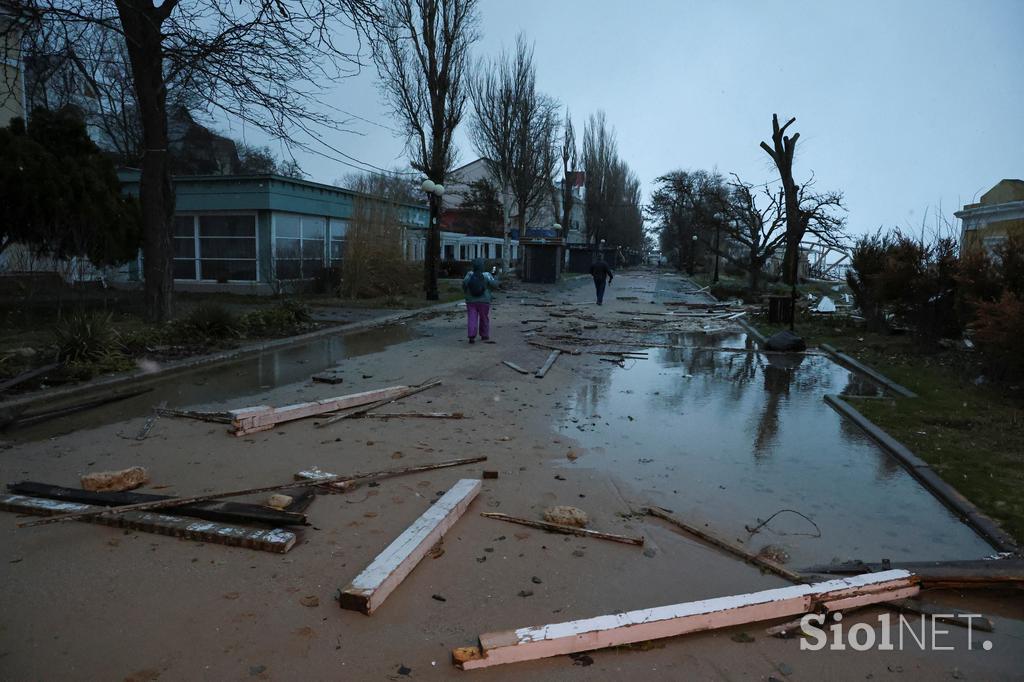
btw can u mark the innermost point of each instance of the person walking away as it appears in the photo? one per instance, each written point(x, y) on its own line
point(602, 274)
point(477, 286)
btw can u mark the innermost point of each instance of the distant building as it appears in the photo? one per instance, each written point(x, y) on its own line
point(458, 187)
point(12, 74)
point(999, 213)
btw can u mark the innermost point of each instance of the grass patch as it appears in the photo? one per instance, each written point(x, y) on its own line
point(972, 434)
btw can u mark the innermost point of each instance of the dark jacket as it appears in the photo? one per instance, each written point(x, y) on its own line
point(600, 271)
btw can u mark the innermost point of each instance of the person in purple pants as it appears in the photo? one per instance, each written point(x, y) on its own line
point(477, 286)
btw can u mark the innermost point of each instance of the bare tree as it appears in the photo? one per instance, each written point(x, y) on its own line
point(570, 161)
point(256, 60)
point(805, 210)
point(514, 128)
point(422, 57)
point(759, 230)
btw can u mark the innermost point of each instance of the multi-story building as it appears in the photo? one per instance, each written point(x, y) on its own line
point(999, 213)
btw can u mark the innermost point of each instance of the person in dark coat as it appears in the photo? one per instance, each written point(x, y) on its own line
point(602, 275)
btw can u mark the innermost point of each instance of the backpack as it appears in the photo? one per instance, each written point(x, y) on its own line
point(477, 285)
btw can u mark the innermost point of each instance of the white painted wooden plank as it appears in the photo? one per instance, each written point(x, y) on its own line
point(669, 621)
point(262, 417)
point(371, 587)
point(275, 540)
point(315, 474)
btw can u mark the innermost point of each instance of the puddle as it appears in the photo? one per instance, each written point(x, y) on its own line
point(728, 438)
point(229, 382)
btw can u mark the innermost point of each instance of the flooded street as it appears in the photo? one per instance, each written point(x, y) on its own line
point(712, 429)
point(228, 385)
point(729, 438)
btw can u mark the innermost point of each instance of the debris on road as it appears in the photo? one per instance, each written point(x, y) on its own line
point(115, 481)
point(531, 643)
point(373, 585)
point(547, 364)
point(568, 530)
point(386, 400)
point(566, 516)
point(263, 417)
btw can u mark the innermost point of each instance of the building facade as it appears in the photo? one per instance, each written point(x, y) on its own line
point(268, 233)
point(999, 213)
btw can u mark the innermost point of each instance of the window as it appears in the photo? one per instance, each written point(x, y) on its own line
point(449, 252)
point(215, 247)
point(298, 245)
point(339, 233)
point(462, 252)
point(497, 250)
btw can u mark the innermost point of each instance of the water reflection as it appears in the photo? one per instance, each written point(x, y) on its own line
point(229, 382)
point(730, 437)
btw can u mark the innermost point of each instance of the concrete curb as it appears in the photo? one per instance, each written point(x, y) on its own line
point(57, 397)
point(845, 359)
point(930, 479)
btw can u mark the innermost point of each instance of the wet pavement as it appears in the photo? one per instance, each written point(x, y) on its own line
point(229, 385)
point(729, 438)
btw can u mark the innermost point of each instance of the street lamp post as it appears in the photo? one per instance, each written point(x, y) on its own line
point(693, 253)
point(434, 192)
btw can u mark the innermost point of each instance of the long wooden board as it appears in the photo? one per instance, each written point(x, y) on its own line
point(276, 540)
point(530, 643)
point(386, 400)
point(216, 510)
point(264, 417)
point(547, 364)
point(372, 586)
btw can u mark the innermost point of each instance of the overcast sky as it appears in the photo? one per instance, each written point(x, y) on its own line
point(903, 105)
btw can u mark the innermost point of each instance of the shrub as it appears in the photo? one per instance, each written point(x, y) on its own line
point(998, 331)
point(86, 337)
point(287, 317)
point(210, 321)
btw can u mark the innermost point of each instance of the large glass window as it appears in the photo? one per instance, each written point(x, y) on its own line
point(339, 234)
point(298, 245)
point(215, 247)
point(449, 251)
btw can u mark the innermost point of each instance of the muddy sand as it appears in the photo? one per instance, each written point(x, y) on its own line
point(83, 602)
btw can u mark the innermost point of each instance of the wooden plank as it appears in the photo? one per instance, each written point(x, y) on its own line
point(174, 502)
point(228, 512)
point(566, 530)
point(548, 346)
point(415, 415)
point(327, 378)
point(373, 585)
point(530, 643)
point(997, 573)
point(215, 417)
point(728, 546)
point(276, 540)
point(514, 366)
point(547, 364)
point(263, 417)
point(387, 400)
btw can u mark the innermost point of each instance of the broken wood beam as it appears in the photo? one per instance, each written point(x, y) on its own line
point(228, 512)
point(263, 417)
point(514, 366)
point(214, 417)
point(567, 530)
point(547, 364)
point(176, 501)
point(276, 540)
point(531, 643)
point(415, 415)
point(405, 393)
point(732, 548)
point(986, 573)
point(372, 586)
point(548, 346)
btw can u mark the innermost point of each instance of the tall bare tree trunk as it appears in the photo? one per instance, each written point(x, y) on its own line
point(506, 221)
point(142, 22)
